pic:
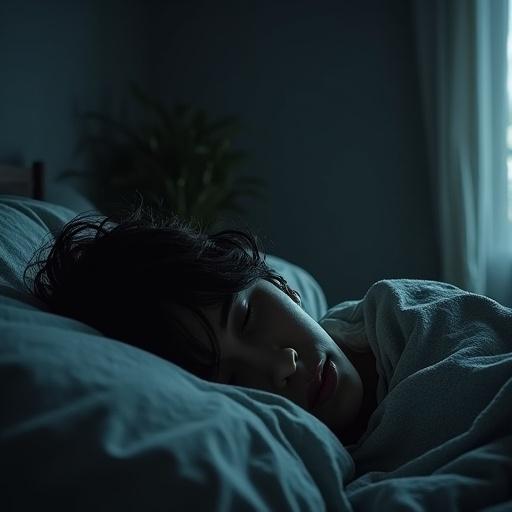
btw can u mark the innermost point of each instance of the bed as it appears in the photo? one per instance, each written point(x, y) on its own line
point(90, 423)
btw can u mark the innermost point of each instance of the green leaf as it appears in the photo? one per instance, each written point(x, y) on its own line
point(178, 155)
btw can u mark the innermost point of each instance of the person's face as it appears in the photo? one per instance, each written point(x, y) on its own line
point(270, 343)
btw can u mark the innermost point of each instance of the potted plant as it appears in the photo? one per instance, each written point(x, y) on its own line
point(177, 158)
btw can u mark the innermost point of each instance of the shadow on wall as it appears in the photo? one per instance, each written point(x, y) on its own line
point(327, 91)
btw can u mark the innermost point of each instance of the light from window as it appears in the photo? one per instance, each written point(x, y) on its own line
point(509, 102)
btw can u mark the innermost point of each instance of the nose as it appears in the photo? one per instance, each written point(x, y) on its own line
point(286, 366)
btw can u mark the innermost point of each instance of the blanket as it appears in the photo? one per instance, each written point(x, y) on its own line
point(441, 436)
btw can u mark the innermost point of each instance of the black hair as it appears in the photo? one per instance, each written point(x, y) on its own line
point(114, 273)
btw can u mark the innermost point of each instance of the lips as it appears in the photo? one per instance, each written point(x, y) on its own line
point(314, 387)
point(324, 384)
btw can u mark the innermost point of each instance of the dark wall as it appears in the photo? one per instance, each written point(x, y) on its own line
point(327, 93)
point(57, 58)
point(329, 96)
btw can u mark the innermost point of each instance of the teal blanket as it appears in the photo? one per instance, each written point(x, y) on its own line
point(441, 436)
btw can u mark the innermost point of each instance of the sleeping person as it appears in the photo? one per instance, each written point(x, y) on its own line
point(410, 367)
point(208, 303)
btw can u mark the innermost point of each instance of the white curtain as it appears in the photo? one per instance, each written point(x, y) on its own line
point(462, 56)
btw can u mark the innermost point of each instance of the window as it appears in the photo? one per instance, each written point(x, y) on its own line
point(509, 104)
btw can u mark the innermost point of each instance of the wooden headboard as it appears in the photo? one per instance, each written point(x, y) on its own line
point(22, 181)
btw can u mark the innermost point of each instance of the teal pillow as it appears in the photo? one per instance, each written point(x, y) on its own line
point(24, 225)
point(90, 423)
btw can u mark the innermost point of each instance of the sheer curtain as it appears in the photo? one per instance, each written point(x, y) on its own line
point(462, 57)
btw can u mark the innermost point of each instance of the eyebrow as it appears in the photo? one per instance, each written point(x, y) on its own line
point(225, 310)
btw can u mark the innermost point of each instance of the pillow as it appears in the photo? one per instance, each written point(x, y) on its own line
point(88, 422)
point(24, 223)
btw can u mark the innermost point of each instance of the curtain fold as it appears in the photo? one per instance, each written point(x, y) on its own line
point(462, 64)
